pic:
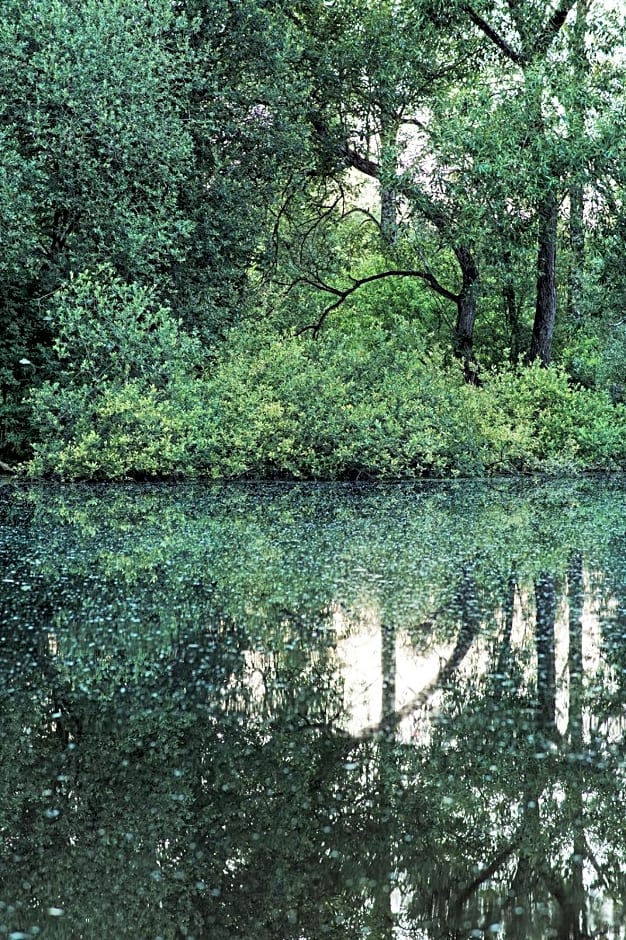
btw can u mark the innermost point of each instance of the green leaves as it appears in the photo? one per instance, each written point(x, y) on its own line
point(92, 106)
point(122, 405)
point(359, 404)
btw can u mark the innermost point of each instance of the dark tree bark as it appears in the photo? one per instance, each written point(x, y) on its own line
point(466, 299)
point(466, 304)
point(577, 249)
point(388, 666)
point(576, 121)
point(531, 48)
point(388, 215)
point(545, 310)
point(575, 657)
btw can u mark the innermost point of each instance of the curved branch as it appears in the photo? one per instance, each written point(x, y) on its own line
point(501, 858)
point(539, 47)
point(553, 26)
point(363, 164)
point(388, 723)
point(343, 294)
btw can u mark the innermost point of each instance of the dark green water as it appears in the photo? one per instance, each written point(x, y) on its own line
point(291, 713)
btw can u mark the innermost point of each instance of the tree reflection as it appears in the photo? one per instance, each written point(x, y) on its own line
point(176, 765)
point(536, 785)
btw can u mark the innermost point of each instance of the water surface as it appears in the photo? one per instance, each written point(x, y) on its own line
point(300, 712)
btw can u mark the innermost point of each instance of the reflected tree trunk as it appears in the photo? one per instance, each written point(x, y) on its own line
point(467, 603)
point(575, 655)
point(388, 668)
point(504, 657)
point(383, 920)
point(545, 598)
point(383, 857)
point(573, 906)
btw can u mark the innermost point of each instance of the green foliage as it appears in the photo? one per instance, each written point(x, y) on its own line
point(92, 100)
point(359, 404)
point(121, 401)
point(93, 156)
point(535, 419)
point(110, 332)
point(131, 135)
point(372, 404)
point(595, 355)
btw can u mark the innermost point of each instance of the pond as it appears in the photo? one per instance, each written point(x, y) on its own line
point(296, 712)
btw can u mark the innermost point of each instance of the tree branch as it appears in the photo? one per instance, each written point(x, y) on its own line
point(495, 36)
point(415, 122)
point(343, 293)
point(389, 723)
point(359, 162)
point(488, 872)
point(553, 26)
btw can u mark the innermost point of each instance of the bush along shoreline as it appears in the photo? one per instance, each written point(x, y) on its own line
point(134, 398)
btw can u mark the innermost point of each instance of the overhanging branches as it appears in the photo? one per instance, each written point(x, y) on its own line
point(343, 293)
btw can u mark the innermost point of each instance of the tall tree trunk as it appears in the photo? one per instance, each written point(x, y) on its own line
point(577, 249)
point(576, 122)
point(545, 311)
point(466, 303)
point(388, 215)
point(511, 311)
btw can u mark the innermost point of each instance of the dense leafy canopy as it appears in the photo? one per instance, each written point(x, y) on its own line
point(410, 181)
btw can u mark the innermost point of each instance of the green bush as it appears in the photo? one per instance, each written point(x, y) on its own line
point(357, 405)
point(364, 402)
point(370, 404)
point(125, 401)
point(535, 419)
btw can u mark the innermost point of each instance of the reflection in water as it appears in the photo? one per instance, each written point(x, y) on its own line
point(298, 713)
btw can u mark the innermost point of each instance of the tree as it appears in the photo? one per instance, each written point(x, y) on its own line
point(131, 136)
point(483, 163)
point(556, 68)
point(93, 133)
point(529, 51)
point(375, 68)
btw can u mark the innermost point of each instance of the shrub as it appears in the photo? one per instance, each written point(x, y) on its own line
point(535, 419)
point(124, 401)
point(364, 402)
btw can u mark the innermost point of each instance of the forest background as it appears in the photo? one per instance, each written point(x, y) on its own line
point(329, 240)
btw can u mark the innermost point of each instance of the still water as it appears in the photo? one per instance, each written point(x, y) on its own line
point(304, 712)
